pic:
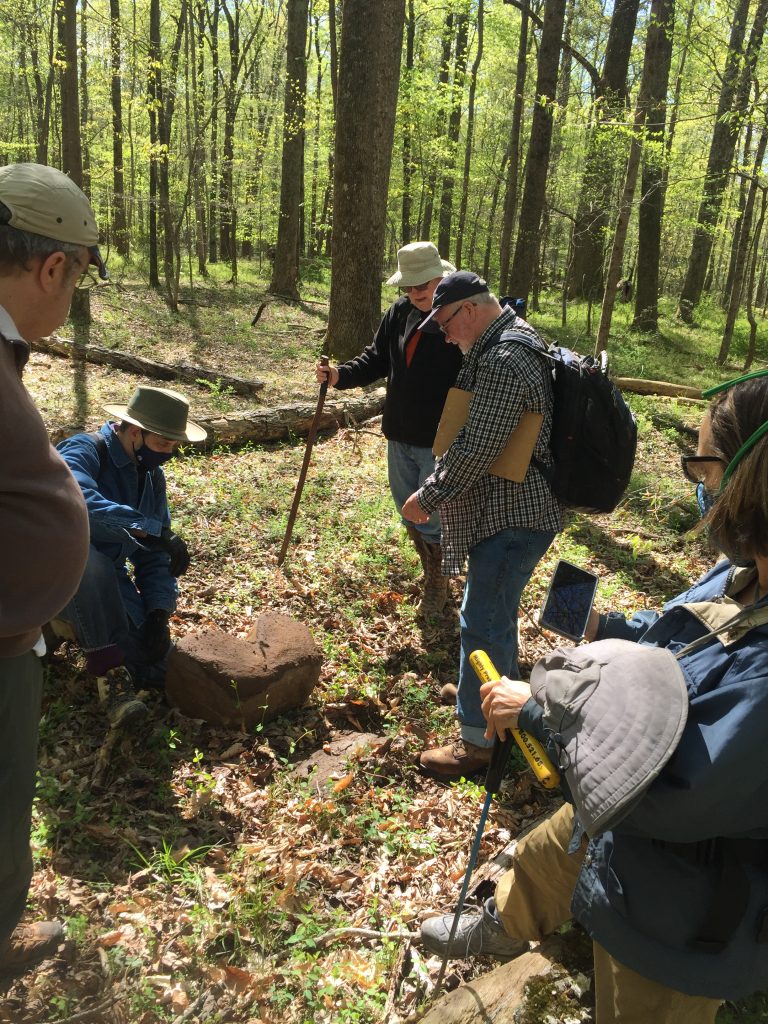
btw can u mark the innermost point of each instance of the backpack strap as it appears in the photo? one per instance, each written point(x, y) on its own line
point(101, 449)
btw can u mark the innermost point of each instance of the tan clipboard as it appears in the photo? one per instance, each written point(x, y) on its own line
point(513, 462)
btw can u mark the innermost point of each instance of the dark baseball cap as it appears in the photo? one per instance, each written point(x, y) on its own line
point(456, 287)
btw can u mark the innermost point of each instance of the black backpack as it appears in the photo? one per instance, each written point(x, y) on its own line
point(594, 434)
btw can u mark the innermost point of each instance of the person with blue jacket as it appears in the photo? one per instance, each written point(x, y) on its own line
point(128, 592)
point(673, 889)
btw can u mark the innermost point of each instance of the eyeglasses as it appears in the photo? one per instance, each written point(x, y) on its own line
point(416, 287)
point(445, 323)
point(690, 462)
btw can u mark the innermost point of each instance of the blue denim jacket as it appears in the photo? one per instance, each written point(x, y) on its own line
point(111, 496)
point(637, 895)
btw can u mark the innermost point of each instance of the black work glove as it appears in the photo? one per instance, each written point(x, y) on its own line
point(157, 635)
point(178, 551)
point(175, 547)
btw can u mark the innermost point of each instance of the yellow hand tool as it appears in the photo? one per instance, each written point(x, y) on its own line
point(532, 750)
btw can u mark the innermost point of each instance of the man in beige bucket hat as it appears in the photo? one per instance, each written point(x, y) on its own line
point(119, 618)
point(419, 369)
point(48, 238)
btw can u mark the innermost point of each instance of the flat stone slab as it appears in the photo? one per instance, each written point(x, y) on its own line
point(244, 681)
point(327, 765)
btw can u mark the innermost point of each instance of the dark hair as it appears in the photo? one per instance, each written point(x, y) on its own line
point(18, 248)
point(738, 522)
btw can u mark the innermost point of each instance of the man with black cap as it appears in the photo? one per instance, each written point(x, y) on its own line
point(502, 526)
point(419, 370)
point(121, 619)
point(48, 239)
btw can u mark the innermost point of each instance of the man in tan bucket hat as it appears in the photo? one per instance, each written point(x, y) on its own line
point(48, 238)
point(119, 618)
point(419, 369)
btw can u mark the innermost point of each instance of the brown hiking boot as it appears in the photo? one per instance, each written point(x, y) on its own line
point(459, 759)
point(448, 693)
point(435, 592)
point(119, 698)
point(29, 945)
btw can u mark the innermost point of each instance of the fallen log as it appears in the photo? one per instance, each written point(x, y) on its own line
point(146, 367)
point(278, 424)
point(284, 421)
point(638, 386)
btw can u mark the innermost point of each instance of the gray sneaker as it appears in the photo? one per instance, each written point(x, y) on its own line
point(117, 694)
point(478, 932)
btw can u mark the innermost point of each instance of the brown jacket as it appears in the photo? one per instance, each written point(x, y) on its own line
point(43, 520)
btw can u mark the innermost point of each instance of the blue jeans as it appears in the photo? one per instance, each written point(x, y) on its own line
point(409, 466)
point(498, 571)
point(99, 618)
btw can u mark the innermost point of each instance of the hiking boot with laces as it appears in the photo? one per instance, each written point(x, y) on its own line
point(477, 932)
point(459, 759)
point(29, 945)
point(117, 694)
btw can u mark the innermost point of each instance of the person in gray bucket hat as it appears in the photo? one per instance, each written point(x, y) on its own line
point(121, 610)
point(660, 728)
point(419, 369)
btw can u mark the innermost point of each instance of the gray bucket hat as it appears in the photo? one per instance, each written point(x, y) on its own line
point(160, 411)
point(618, 710)
point(417, 263)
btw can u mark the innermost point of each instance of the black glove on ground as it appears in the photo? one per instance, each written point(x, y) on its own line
point(157, 635)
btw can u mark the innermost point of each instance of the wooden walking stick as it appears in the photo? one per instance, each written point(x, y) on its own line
point(304, 466)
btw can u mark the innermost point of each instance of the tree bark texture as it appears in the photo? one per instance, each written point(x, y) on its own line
point(119, 219)
point(367, 97)
point(658, 57)
point(285, 271)
point(513, 165)
point(534, 193)
point(593, 217)
point(454, 131)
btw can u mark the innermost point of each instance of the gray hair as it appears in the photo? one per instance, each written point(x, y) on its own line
point(484, 299)
point(18, 248)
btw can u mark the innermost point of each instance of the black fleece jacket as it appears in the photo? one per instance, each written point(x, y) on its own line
point(415, 393)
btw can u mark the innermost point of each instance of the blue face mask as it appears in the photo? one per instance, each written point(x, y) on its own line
point(704, 498)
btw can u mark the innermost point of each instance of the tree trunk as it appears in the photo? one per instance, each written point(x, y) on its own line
point(735, 233)
point(71, 148)
point(213, 159)
point(84, 101)
point(407, 207)
point(367, 97)
point(513, 164)
point(285, 271)
point(658, 56)
point(751, 284)
point(534, 193)
point(740, 265)
point(119, 220)
point(734, 95)
point(425, 227)
point(593, 217)
point(470, 136)
point(454, 129)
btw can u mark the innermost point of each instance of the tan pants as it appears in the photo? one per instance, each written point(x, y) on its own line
point(533, 899)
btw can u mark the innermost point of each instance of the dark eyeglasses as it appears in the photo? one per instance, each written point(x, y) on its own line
point(690, 462)
point(445, 323)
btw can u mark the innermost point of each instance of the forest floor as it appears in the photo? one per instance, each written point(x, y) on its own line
point(208, 880)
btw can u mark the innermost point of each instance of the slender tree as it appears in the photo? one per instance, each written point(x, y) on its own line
point(119, 219)
point(658, 57)
point(731, 109)
point(285, 273)
point(534, 192)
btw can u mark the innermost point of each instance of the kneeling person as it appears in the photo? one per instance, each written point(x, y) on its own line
point(121, 619)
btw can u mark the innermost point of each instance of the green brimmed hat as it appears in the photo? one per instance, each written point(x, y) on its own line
point(417, 263)
point(160, 411)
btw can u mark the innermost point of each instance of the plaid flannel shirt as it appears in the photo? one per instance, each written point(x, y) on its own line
point(507, 379)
